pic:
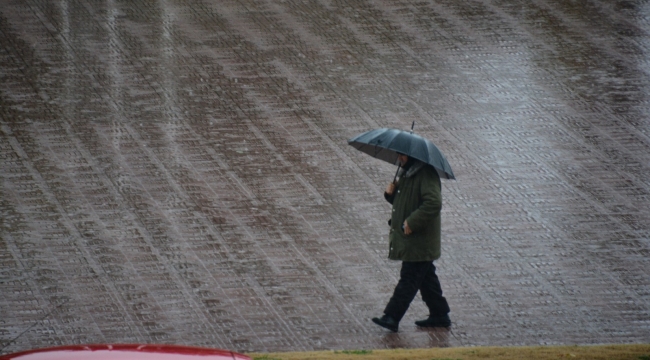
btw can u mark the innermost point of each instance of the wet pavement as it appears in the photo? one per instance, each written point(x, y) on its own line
point(178, 171)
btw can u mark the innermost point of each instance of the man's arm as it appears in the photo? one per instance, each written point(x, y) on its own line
point(431, 202)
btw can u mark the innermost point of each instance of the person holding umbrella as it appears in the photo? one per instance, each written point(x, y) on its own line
point(415, 224)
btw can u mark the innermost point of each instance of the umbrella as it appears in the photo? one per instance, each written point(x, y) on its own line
point(386, 144)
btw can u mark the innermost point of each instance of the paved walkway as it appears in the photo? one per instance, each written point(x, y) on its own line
point(177, 171)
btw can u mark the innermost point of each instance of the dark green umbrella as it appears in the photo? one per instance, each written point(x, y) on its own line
point(386, 144)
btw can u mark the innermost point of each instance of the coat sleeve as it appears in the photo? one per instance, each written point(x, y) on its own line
point(430, 202)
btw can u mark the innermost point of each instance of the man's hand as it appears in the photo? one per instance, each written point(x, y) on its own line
point(390, 189)
point(407, 229)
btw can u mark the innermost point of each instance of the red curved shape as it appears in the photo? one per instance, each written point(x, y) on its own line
point(125, 352)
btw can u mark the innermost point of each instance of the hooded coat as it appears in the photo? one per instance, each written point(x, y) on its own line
point(417, 199)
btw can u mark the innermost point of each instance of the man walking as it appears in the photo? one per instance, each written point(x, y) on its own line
point(415, 240)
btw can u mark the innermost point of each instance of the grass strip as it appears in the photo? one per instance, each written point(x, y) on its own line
point(586, 352)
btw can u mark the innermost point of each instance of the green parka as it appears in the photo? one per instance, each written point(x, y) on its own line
point(417, 198)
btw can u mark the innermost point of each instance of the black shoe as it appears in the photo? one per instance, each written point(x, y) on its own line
point(435, 321)
point(387, 322)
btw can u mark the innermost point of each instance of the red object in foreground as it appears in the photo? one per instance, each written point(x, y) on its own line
point(125, 352)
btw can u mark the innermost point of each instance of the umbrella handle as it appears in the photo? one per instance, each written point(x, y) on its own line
point(395, 177)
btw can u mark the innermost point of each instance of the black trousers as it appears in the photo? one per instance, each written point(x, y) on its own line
point(416, 276)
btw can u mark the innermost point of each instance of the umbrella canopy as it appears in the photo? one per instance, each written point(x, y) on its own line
point(385, 144)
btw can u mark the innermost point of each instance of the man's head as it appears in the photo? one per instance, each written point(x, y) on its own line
point(403, 159)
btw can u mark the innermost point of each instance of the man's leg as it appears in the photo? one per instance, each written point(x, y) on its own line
point(411, 276)
point(431, 292)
